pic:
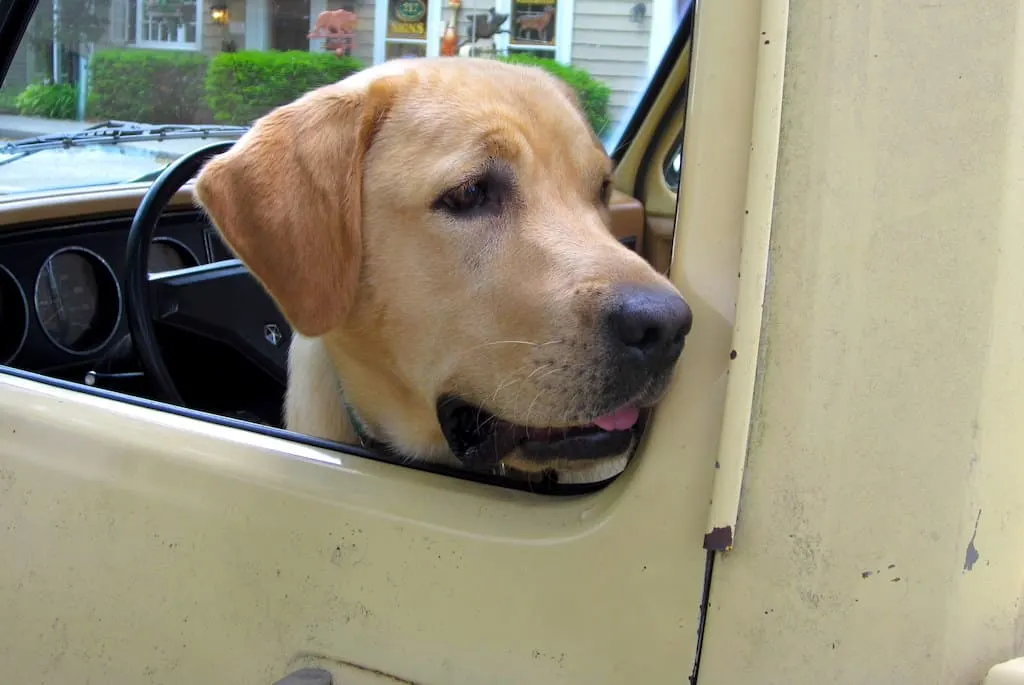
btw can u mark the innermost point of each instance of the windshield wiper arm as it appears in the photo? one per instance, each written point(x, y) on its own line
point(114, 132)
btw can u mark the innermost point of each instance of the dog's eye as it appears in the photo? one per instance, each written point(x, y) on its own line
point(606, 191)
point(465, 198)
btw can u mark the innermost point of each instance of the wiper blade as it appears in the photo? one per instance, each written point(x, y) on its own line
point(115, 132)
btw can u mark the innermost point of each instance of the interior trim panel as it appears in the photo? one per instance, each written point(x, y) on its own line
point(60, 286)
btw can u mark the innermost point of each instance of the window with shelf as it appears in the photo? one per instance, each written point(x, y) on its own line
point(407, 28)
point(533, 27)
point(169, 24)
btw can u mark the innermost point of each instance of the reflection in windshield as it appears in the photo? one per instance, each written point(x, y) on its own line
point(87, 166)
point(141, 148)
point(230, 61)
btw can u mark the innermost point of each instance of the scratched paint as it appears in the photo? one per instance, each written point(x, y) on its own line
point(972, 556)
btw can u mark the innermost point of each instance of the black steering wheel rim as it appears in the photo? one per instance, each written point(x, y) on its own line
point(138, 306)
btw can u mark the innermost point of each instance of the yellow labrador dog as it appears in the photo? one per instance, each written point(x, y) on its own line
point(436, 232)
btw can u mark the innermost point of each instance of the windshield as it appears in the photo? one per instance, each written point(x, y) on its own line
point(89, 72)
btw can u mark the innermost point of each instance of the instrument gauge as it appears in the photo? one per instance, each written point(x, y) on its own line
point(13, 316)
point(167, 254)
point(77, 300)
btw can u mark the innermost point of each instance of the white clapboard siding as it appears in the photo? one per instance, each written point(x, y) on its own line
point(118, 23)
point(613, 48)
point(18, 74)
point(364, 32)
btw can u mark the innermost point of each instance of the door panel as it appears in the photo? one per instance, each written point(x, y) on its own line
point(881, 513)
point(639, 170)
point(628, 220)
point(166, 549)
point(149, 547)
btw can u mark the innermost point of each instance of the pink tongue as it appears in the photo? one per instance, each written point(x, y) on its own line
point(618, 421)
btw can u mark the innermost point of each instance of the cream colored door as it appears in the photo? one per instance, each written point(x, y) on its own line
point(144, 546)
point(880, 365)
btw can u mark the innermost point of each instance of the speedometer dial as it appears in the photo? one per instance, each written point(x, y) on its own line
point(167, 254)
point(77, 300)
point(13, 316)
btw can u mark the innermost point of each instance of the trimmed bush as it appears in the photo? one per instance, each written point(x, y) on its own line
point(593, 94)
point(50, 100)
point(151, 86)
point(243, 86)
point(8, 102)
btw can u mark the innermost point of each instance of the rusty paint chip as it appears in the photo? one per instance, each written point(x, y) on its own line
point(719, 539)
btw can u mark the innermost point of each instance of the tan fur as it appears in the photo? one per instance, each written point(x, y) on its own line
point(330, 202)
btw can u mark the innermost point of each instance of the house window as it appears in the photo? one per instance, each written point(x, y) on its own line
point(533, 27)
point(542, 28)
point(169, 24)
point(408, 28)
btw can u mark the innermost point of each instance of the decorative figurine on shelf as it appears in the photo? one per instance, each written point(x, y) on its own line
point(486, 25)
point(483, 27)
point(450, 39)
point(536, 23)
point(338, 29)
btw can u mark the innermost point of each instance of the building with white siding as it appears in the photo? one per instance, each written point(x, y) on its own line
point(617, 41)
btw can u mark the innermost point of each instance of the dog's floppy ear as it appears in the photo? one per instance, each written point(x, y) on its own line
point(286, 198)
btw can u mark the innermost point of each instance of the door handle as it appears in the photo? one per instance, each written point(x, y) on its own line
point(307, 676)
point(1007, 673)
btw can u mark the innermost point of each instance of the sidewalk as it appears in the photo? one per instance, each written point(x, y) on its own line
point(15, 127)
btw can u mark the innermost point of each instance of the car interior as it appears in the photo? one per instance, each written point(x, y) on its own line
point(128, 291)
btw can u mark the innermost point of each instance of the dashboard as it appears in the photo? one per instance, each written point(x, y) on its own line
point(61, 302)
point(63, 310)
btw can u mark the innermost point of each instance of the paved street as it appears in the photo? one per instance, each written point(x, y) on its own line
point(79, 166)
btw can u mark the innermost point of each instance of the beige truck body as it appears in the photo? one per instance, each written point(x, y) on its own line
point(845, 432)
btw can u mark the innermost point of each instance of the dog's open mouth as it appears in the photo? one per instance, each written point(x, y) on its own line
point(480, 439)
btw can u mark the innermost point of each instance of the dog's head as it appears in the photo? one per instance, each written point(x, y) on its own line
point(443, 225)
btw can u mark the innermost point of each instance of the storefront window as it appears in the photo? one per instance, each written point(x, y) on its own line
point(405, 29)
point(168, 23)
point(533, 23)
point(407, 20)
point(396, 50)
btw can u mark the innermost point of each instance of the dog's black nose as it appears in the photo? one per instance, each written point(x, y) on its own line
point(648, 325)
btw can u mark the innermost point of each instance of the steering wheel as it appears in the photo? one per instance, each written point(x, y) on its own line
point(220, 301)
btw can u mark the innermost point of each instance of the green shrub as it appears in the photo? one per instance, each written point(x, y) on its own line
point(152, 86)
point(50, 100)
point(8, 102)
point(243, 86)
point(593, 94)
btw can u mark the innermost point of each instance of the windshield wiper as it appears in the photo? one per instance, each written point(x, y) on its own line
point(114, 132)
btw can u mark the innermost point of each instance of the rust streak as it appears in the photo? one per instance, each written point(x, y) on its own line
point(719, 539)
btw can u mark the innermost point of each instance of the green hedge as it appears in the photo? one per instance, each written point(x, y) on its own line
point(8, 102)
point(593, 94)
point(243, 86)
point(154, 86)
point(168, 86)
point(50, 100)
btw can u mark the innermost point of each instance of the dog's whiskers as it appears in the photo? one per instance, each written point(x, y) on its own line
point(506, 382)
point(570, 407)
point(526, 423)
point(493, 343)
point(480, 424)
point(545, 375)
point(509, 379)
